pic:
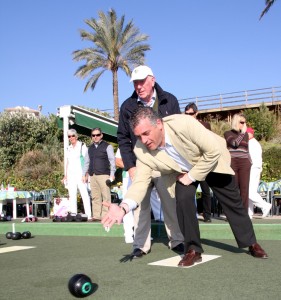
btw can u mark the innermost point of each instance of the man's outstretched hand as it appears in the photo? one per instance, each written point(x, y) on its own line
point(115, 215)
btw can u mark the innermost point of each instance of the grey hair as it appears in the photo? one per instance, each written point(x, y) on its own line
point(141, 113)
point(236, 120)
point(72, 132)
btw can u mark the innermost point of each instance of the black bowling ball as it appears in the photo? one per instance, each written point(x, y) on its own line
point(80, 285)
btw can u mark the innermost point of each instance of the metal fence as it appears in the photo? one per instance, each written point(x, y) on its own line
point(269, 96)
point(241, 99)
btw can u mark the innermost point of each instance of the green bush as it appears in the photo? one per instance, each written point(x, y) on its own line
point(263, 121)
point(271, 164)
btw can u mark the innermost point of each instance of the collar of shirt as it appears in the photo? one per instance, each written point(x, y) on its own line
point(173, 153)
point(151, 102)
point(96, 144)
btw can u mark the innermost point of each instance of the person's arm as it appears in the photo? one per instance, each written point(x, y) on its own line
point(86, 161)
point(119, 162)
point(126, 140)
point(134, 196)
point(118, 159)
point(232, 139)
point(111, 158)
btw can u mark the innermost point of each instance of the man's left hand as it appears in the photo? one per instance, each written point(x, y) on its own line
point(184, 179)
point(115, 215)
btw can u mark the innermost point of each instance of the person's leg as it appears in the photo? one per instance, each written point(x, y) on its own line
point(142, 224)
point(254, 197)
point(225, 189)
point(156, 205)
point(169, 208)
point(96, 197)
point(206, 200)
point(186, 212)
point(128, 225)
point(85, 198)
point(105, 193)
point(128, 220)
point(244, 179)
point(72, 192)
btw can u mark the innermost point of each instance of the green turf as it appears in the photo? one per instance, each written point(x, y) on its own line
point(43, 272)
point(219, 229)
point(65, 249)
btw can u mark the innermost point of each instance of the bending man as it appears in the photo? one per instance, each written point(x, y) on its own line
point(185, 152)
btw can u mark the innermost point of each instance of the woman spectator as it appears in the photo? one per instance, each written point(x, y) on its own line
point(237, 143)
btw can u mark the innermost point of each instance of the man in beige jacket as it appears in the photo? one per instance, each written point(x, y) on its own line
point(185, 152)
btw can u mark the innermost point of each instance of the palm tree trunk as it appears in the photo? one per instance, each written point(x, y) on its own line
point(115, 95)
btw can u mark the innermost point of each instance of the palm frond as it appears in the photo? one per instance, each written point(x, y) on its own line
point(116, 45)
point(268, 4)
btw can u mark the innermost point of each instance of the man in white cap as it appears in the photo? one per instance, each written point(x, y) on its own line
point(148, 93)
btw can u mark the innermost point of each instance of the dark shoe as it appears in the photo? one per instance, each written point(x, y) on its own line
point(179, 248)
point(257, 251)
point(138, 253)
point(207, 220)
point(190, 258)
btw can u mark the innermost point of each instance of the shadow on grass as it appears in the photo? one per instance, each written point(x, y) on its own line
point(223, 246)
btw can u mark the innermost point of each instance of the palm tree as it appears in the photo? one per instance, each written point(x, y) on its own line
point(268, 4)
point(116, 45)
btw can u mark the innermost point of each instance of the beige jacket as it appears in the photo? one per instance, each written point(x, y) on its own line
point(202, 148)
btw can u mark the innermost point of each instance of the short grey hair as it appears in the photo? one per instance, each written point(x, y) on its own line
point(72, 132)
point(143, 112)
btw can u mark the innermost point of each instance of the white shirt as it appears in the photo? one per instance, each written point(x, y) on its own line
point(74, 168)
point(151, 102)
point(172, 152)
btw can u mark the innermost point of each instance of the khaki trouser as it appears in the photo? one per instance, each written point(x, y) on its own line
point(142, 216)
point(100, 192)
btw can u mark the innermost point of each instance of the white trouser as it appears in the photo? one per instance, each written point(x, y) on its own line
point(255, 198)
point(73, 184)
point(156, 205)
point(128, 220)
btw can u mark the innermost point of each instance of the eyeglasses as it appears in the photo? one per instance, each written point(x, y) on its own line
point(190, 113)
point(242, 122)
point(98, 134)
point(71, 136)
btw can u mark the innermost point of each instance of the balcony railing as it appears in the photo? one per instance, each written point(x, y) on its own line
point(242, 99)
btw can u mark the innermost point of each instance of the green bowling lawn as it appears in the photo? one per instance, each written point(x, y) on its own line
point(61, 250)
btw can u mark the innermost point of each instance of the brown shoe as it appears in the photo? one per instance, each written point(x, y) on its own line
point(190, 258)
point(257, 251)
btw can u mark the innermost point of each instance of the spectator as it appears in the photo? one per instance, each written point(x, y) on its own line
point(75, 175)
point(237, 143)
point(192, 110)
point(101, 168)
point(148, 93)
point(255, 198)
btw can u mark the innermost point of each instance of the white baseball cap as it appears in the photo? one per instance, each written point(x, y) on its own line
point(141, 72)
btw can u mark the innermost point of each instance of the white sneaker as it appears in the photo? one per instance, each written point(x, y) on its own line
point(266, 211)
point(129, 240)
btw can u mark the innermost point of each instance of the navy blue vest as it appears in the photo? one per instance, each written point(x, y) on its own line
point(99, 163)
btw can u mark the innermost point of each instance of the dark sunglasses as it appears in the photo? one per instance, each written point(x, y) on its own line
point(71, 136)
point(190, 113)
point(241, 122)
point(94, 135)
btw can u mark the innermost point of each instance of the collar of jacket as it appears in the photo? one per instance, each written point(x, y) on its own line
point(159, 92)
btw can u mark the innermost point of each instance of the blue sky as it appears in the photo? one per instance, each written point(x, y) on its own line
point(198, 48)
